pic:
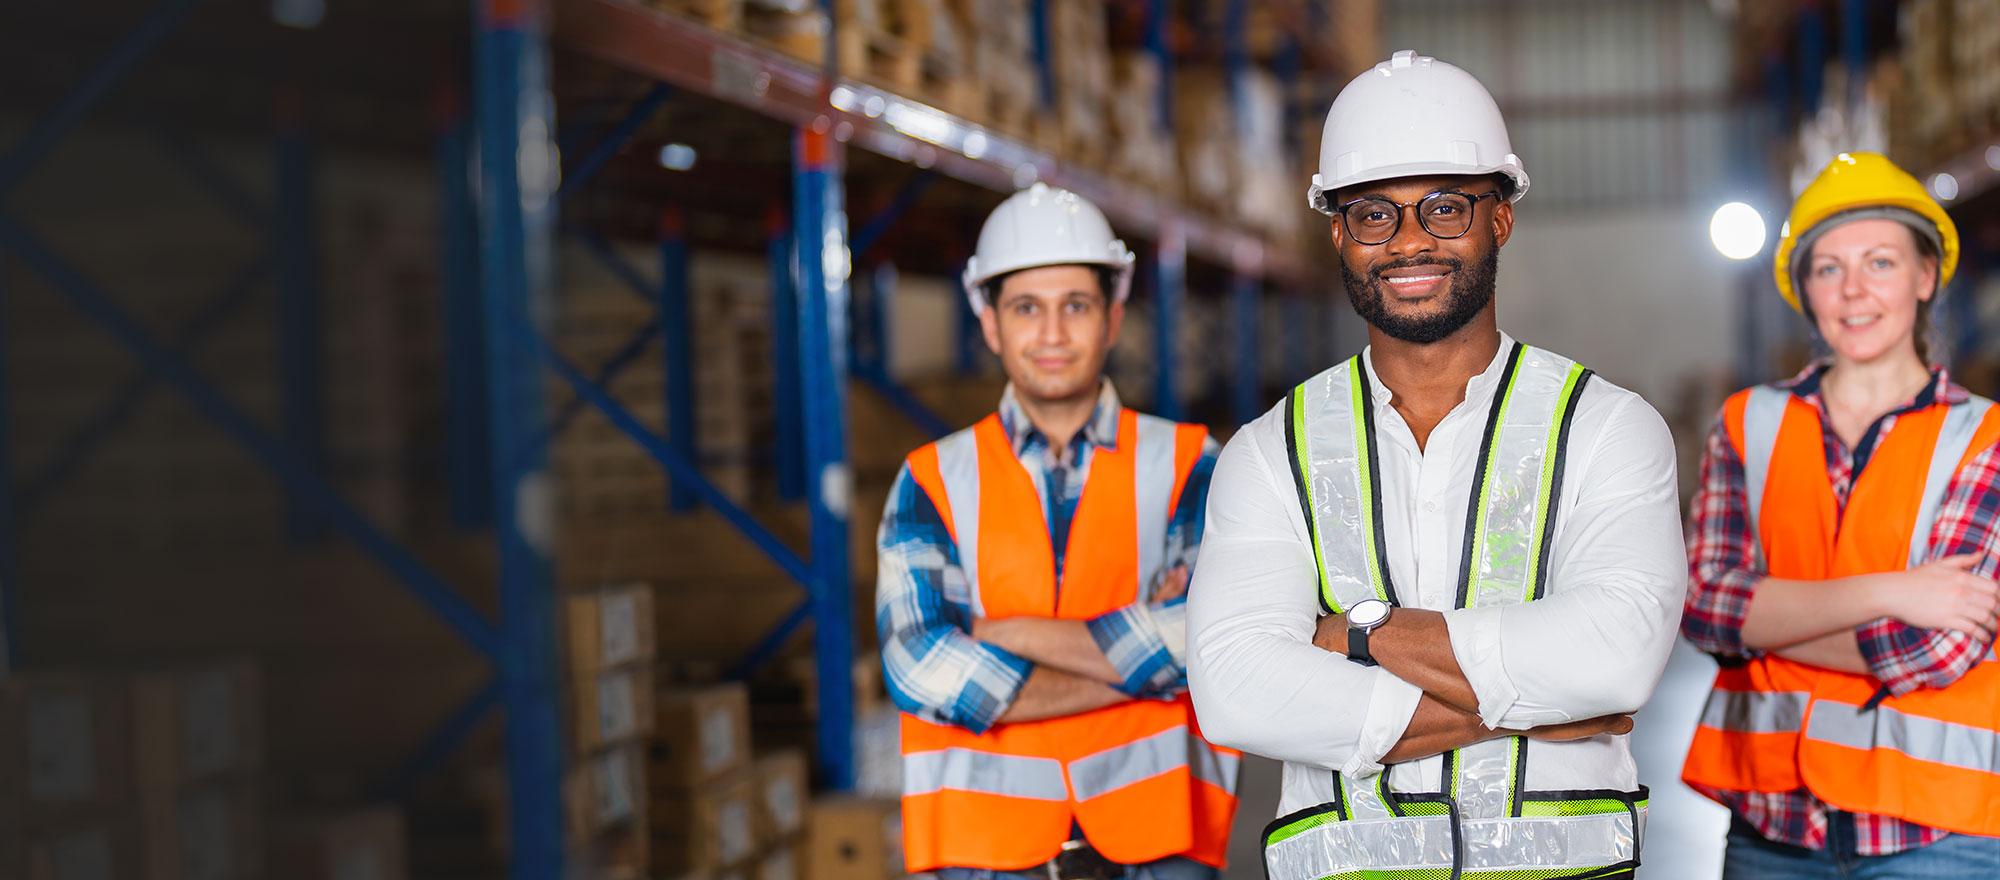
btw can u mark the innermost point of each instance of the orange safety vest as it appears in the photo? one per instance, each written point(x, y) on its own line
point(1137, 777)
point(1931, 756)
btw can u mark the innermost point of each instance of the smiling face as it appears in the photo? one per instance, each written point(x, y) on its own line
point(1418, 287)
point(1052, 327)
point(1865, 281)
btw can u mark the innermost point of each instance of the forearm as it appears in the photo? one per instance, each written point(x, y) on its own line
point(1415, 646)
point(1065, 645)
point(1438, 727)
point(1784, 613)
point(1053, 693)
point(1839, 651)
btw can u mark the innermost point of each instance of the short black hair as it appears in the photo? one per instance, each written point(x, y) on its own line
point(1107, 277)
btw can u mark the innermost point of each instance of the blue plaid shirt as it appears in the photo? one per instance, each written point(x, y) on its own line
point(935, 669)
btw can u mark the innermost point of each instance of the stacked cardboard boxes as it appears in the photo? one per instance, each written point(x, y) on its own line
point(701, 784)
point(610, 651)
point(855, 839)
point(154, 775)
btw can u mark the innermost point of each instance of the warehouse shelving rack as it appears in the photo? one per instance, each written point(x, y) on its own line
point(499, 234)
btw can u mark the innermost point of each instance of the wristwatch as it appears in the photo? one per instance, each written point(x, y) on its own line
point(1362, 619)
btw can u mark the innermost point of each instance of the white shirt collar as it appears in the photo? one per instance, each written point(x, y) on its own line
point(1479, 384)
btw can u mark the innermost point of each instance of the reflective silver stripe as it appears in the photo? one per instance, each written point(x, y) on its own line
point(983, 772)
point(1508, 504)
point(1153, 487)
point(1755, 711)
point(1762, 415)
point(1926, 739)
point(1217, 768)
point(958, 464)
point(1576, 843)
point(1136, 761)
point(1334, 467)
point(1960, 423)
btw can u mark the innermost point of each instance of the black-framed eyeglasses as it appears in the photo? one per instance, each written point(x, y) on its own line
point(1446, 213)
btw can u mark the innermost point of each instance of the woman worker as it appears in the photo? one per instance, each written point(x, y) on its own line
point(1842, 563)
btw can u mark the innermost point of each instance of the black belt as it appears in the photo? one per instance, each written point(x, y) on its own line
point(1081, 861)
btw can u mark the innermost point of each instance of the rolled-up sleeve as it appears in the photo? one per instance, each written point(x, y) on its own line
point(1257, 681)
point(1907, 658)
point(1597, 642)
point(1722, 562)
point(932, 665)
point(1146, 641)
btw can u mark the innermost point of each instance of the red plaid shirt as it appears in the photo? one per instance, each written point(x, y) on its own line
point(1723, 575)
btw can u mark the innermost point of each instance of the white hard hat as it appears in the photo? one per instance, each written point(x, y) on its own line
point(1409, 116)
point(1045, 226)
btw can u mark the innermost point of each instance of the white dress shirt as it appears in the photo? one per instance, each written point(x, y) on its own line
point(1594, 645)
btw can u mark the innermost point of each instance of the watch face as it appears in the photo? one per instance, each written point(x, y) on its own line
point(1368, 613)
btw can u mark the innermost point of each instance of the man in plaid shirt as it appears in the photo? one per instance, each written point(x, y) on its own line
point(1004, 668)
point(1723, 573)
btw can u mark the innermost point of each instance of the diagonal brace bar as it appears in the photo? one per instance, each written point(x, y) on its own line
point(772, 642)
point(76, 448)
point(619, 266)
point(309, 487)
point(615, 140)
point(613, 365)
point(679, 468)
point(904, 402)
point(136, 45)
point(905, 197)
point(202, 167)
point(439, 744)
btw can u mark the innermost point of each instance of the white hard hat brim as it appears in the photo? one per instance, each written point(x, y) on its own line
point(1320, 194)
point(976, 278)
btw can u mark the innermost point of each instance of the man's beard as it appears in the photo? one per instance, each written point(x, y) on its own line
point(1471, 292)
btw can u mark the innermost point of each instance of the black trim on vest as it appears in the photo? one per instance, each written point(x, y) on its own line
point(1367, 416)
point(1556, 485)
point(1305, 494)
point(1500, 394)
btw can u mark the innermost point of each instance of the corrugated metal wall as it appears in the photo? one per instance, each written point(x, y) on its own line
point(1608, 103)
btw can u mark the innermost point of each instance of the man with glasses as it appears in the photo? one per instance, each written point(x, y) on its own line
point(1439, 577)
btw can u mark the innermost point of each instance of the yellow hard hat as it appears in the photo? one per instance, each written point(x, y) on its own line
point(1855, 182)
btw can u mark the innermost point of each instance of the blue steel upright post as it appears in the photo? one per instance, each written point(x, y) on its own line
point(10, 586)
point(790, 415)
point(820, 222)
point(1245, 383)
point(467, 466)
point(299, 358)
point(677, 345)
point(518, 176)
point(1169, 279)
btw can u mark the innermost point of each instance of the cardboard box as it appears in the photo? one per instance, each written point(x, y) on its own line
point(783, 791)
point(617, 854)
point(612, 706)
point(360, 844)
point(65, 746)
point(606, 790)
point(709, 828)
point(701, 734)
point(855, 839)
point(781, 862)
point(197, 724)
point(609, 627)
point(204, 832)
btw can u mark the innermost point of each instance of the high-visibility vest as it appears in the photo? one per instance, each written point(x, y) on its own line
point(1931, 756)
point(1136, 777)
point(1482, 818)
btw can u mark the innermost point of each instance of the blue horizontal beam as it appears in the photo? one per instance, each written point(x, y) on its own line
point(679, 468)
point(774, 641)
point(422, 583)
point(439, 744)
point(76, 448)
point(50, 130)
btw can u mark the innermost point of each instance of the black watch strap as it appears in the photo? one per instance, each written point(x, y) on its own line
point(1357, 647)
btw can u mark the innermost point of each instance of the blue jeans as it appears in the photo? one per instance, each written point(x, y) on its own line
point(1957, 857)
point(1175, 868)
